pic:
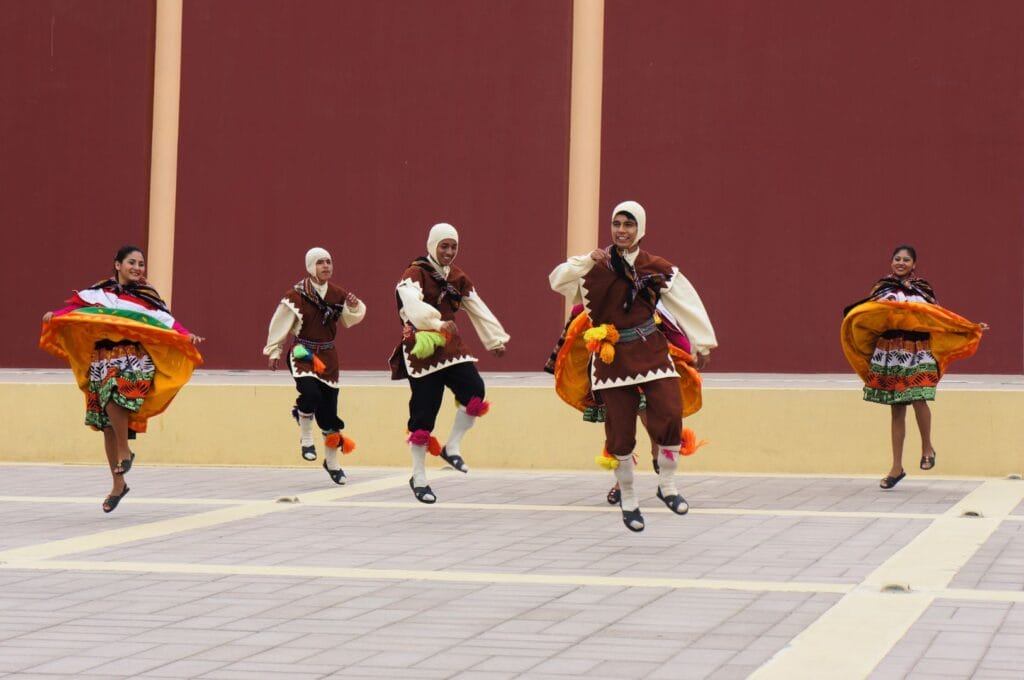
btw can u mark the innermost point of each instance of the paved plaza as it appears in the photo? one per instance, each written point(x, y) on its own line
point(232, 573)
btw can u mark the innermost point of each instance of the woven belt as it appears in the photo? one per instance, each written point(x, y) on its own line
point(315, 346)
point(640, 332)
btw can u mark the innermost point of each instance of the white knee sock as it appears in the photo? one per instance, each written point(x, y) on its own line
point(305, 429)
point(668, 462)
point(419, 471)
point(463, 421)
point(331, 457)
point(624, 475)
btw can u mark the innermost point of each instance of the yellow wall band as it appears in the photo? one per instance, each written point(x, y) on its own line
point(751, 430)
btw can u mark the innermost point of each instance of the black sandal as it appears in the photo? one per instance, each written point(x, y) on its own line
point(111, 501)
point(674, 503)
point(422, 493)
point(123, 466)
point(630, 516)
point(889, 482)
point(614, 495)
point(337, 476)
point(309, 453)
point(928, 462)
point(455, 461)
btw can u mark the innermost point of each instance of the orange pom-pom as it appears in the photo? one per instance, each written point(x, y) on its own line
point(333, 440)
point(347, 445)
point(690, 443)
point(434, 447)
point(607, 352)
point(318, 366)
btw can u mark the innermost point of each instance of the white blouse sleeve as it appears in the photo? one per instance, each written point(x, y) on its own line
point(286, 319)
point(565, 278)
point(351, 317)
point(414, 309)
point(487, 326)
point(681, 300)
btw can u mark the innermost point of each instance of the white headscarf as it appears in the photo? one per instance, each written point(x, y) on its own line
point(638, 212)
point(312, 255)
point(438, 233)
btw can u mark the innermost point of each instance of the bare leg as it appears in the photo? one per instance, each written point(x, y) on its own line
point(923, 414)
point(119, 429)
point(899, 431)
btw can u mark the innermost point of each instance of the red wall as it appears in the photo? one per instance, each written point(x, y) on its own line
point(76, 93)
point(782, 149)
point(356, 126)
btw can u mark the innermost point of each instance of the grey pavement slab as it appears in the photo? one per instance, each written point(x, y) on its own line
point(510, 575)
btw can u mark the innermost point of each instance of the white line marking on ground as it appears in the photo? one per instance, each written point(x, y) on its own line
point(246, 510)
point(425, 575)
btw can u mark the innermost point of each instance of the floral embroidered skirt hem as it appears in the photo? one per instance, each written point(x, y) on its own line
point(903, 369)
point(119, 372)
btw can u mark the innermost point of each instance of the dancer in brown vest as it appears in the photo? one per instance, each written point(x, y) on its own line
point(433, 356)
point(620, 286)
point(310, 311)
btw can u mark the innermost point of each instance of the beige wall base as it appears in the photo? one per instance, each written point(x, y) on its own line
point(801, 431)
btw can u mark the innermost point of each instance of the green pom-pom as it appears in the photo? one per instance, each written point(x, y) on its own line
point(426, 344)
point(300, 352)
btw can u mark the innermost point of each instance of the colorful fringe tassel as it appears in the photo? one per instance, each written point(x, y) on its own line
point(428, 342)
point(424, 438)
point(608, 461)
point(600, 340)
point(337, 440)
point(478, 407)
point(690, 443)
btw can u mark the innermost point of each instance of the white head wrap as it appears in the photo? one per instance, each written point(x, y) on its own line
point(312, 255)
point(438, 233)
point(638, 212)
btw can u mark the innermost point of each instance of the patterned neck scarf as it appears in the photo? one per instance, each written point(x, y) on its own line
point(142, 291)
point(647, 286)
point(328, 312)
point(912, 284)
point(447, 290)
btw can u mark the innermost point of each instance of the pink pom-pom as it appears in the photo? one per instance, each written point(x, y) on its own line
point(419, 437)
point(478, 407)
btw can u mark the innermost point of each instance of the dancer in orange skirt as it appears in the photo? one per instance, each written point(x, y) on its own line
point(900, 341)
point(129, 356)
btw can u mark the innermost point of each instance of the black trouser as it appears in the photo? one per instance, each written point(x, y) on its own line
point(322, 401)
point(462, 379)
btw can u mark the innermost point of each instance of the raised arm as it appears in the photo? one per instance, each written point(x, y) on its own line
point(565, 278)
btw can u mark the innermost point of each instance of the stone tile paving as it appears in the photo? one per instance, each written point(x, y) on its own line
point(89, 624)
point(28, 524)
point(998, 564)
point(960, 639)
point(166, 626)
point(836, 550)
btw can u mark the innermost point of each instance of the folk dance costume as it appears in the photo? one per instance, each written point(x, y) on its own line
point(900, 341)
point(123, 346)
point(310, 312)
point(128, 353)
point(575, 388)
point(429, 295)
point(623, 352)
